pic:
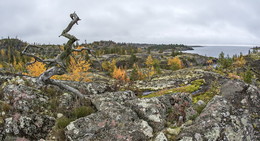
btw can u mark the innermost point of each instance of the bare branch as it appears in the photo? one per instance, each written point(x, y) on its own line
point(36, 58)
point(30, 63)
point(67, 87)
point(51, 72)
point(90, 51)
point(75, 20)
point(58, 65)
point(24, 52)
point(79, 50)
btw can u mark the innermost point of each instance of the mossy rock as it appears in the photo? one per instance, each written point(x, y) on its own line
point(82, 111)
point(194, 86)
point(62, 122)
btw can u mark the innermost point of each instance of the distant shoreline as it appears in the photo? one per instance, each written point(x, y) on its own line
point(195, 46)
point(214, 51)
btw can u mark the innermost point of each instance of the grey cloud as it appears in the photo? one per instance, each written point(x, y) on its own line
point(150, 21)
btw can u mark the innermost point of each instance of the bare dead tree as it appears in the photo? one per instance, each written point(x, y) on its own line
point(58, 64)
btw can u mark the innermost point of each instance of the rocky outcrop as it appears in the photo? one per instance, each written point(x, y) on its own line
point(23, 99)
point(193, 59)
point(176, 78)
point(123, 116)
point(232, 115)
point(113, 121)
point(31, 126)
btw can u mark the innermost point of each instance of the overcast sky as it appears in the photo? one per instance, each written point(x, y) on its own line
point(142, 21)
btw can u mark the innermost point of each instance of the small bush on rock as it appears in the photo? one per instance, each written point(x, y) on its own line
point(82, 111)
point(5, 106)
point(62, 122)
point(247, 76)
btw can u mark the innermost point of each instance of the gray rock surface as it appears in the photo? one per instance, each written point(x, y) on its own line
point(151, 110)
point(233, 115)
point(23, 98)
point(161, 137)
point(113, 121)
point(32, 126)
point(123, 116)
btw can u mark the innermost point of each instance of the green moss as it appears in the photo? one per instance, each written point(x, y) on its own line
point(207, 96)
point(54, 104)
point(193, 117)
point(82, 111)
point(50, 91)
point(199, 108)
point(62, 122)
point(198, 82)
point(194, 86)
point(5, 107)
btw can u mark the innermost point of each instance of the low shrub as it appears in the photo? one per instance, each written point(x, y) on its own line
point(62, 122)
point(82, 111)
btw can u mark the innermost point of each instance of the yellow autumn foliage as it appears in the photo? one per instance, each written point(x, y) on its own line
point(2, 52)
point(209, 62)
point(35, 69)
point(105, 65)
point(120, 74)
point(149, 61)
point(77, 71)
point(152, 71)
point(109, 66)
point(78, 53)
point(139, 73)
point(175, 63)
point(239, 62)
point(18, 66)
point(233, 76)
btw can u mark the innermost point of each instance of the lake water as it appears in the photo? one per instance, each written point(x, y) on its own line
point(214, 51)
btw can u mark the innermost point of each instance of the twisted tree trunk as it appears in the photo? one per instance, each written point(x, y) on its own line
point(58, 65)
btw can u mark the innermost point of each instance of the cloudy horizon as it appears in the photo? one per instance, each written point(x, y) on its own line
point(198, 22)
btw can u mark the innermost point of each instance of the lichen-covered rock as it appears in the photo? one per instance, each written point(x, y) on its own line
point(24, 99)
point(178, 107)
point(96, 88)
point(201, 103)
point(113, 121)
point(151, 110)
point(119, 97)
point(160, 137)
point(123, 116)
point(31, 126)
point(174, 131)
point(1, 132)
point(66, 100)
point(157, 84)
point(232, 115)
point(89, 88)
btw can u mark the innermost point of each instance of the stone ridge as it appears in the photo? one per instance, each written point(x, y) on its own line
point(232, 114)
